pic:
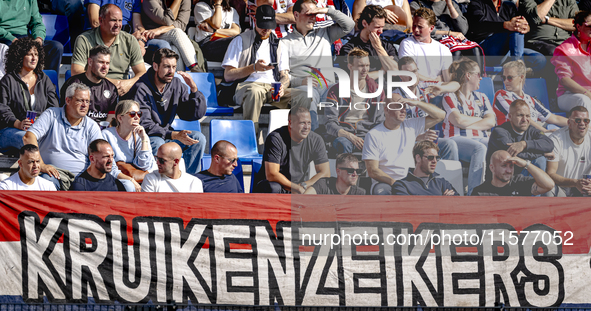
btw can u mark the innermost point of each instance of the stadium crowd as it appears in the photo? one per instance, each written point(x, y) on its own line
point(111, 128)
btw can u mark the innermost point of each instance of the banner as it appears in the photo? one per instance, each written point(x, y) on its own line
point(261, 249)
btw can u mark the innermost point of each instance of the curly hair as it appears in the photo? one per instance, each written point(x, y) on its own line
point(17, 52)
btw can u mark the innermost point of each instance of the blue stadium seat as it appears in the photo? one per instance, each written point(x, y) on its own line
point(206, 163)
point(256, 167)
point(487, 87)
point(536, 87)
point(206, 84)
point(179, 125)
point(52, 75)
point(57, 29)
point(239, 132)
point(68, 75)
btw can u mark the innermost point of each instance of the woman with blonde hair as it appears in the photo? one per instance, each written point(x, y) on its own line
point(514, 79)
point(469, 116)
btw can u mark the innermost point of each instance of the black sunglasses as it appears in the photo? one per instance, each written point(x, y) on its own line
point(432, 157)
point(509, 78)
point(579, 120)
point(161, 160)
point(350, 171)
point(133, 113)
point(232, 161)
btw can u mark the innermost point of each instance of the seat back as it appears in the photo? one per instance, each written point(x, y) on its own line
point(487, 87)
point(68, 74)
point(256, 167)
point(277, 119)
point(57, 29)
point(241, 133)
point(536, 87)
point(180, 125)
point(205, 82)
point(52, 75)
point(238, 172)
point(452, 172)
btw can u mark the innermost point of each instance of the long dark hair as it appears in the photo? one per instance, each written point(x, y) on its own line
point(17, 51)
point(225, 5)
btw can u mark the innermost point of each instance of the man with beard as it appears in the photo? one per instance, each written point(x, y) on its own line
point(572, 148)
point(162, 97)
point(62, 135)
point(254, 60)
point(103, 93)
point(504, 183)
point(345, 183)
point(29, 165)
point(423, 180)
point(169, 177)
point(97, 177)
point(219, 177)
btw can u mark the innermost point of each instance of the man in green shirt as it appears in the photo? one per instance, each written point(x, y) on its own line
point(125, 49)
point(21, 16)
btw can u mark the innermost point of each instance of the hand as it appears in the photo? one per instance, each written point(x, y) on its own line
point(310, 80)
point(516, 148)
point(429, 135)
point(391, 17)
point(410, 102)
point(188, 80)
point(316, 10)
point(357, 141)
point(434, 90)
point(23, 125)
point(518, 161)
point(584, 186)
point(205, 27)
point(457, 34)
point(281, 91)
point(297, 189)
point(183, 137)
point(375, 41)
point(138, 187)
point(50, 170)
point(39, 40)
point(550, 131)
point(123, 86)
point(449, 192)
point(151, 34)
point(141, 132)
point(261, 66)
point(549, 155)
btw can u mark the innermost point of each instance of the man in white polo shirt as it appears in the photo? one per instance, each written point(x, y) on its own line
point(432, 57)
point(26, 178)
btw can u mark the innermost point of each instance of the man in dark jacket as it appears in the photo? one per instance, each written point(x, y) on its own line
point(162, 96)
point(423, 180)
point(519, 138)
point(349, 119)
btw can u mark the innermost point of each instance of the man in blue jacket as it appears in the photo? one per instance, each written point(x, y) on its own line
point(423, 180)
point(162, 96)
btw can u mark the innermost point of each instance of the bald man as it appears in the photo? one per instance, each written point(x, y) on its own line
point(169, 177)
point(504, 183)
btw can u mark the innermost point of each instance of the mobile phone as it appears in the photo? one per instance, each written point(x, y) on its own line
point(272, 64)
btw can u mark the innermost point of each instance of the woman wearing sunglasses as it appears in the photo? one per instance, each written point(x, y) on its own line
point(573, 65)
point(130, 142)
point(469, 116)
point(514, 80)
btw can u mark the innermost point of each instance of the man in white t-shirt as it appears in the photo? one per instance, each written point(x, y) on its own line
point(432, 57)
point(26, 178)
point(169, 177)
point(387, 150)
point(572, 155)
point(256, 59)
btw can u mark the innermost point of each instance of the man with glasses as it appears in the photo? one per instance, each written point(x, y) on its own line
point(103, 93)
point(505, 183)
point(423, 180)
point(520, 138)
point(387, 151)
point(219, 177)
point(348, 172)
point(572, 149)
point(169, 177)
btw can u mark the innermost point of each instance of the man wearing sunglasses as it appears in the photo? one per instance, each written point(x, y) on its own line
point(423, 180)
point(169, 177)
point(505, 183)
point(520, 138)
point(348, 172)
point(103, 93)
point(572, 150)
point(219, 177)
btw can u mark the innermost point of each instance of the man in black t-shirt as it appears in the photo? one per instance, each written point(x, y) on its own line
point(219, 177)
point(504, 183)
point(97, 177)
point(287, 156)
point(103, 93)
point(348, 172)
